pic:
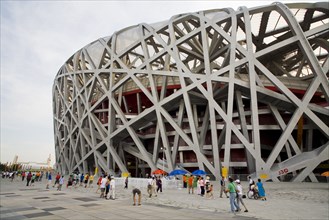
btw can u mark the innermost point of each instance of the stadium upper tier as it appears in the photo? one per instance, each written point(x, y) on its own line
point(242, 91)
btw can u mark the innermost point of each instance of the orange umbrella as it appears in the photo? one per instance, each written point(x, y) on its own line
point(159, 172)
point(325, 174)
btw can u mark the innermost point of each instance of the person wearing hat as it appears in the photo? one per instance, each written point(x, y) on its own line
point(239, 190)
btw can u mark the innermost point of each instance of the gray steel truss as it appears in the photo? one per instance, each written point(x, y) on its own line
point(246, 90)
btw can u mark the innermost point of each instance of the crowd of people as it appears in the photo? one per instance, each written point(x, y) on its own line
point(234, 190)
point(200, 185)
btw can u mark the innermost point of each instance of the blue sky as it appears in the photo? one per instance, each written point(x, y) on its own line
point(37, 37)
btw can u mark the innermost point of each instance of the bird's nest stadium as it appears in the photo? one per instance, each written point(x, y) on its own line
point(239, 91)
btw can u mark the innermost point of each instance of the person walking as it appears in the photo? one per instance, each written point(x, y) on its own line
point(239, 194)
point(112, 187)
point(139, 194)
point(190, 184)
point(261, 190)
point(49, 179)
point(91, 180)
point(99, 183)
point(28, 178)
point(23, 175)
point(58, 176)
point(222, 188)
point(149, 187)
point(126, 183)
point(60, 183)
point(159, 184)
point(231, 189)
point(102, 186)
point(202, 183)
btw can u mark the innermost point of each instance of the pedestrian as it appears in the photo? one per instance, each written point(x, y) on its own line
point(159, 184)
point(58, 176)
point(49, 179)
point(99, 183)
point(209, 192)
point(201, 183)
point(91, 180)
point(239, 190)
point(112, 187)
point(198, 185)
point(190, 184)
point(184, 181)
point(251, 183)
point(232, 191)
point(33, 179)
point(139, 194)
point(126, 183)
point(86, 180)
point(149, 187)
point(102, 186)
point(28, 178)
point(23, 176)
point(60, 183)
point(261, 190)
point(82, 177)
point(107, 188)
point(222, 188)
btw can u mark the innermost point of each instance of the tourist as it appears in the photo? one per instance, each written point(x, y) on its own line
point(222, 188)
point(58, 176)
point(198, 185)
point(86, 180)
point(184, 181)
point(201, 183)
point(261, 190)
point(28, 178)
point(102, 186)
point(209, 192)
point(149, 187)
point(232, 191)
point(23, 175)
point(159, 184)
point(239, 190)
point(251, 183)
point(139, 194)
point(190, 184)
point(107, 187)
point(49, 179)
point(126, 183)
point(33, 179)
point(82, 177)
point(112, 187)
point(60, 183)
point(91, 180)
point(99, 183)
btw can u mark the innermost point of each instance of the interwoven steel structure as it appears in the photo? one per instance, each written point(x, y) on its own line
point(244, 90)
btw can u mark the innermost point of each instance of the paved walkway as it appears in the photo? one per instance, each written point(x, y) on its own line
point(35, 202)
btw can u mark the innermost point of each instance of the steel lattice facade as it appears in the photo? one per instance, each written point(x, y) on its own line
point(245, 90)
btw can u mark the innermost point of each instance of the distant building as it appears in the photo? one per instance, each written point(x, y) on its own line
point(237, 92)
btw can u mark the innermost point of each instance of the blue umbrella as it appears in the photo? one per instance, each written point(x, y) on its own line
point(199, 172)
point(177, 172)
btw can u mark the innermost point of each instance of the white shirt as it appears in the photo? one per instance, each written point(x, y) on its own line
point(103, 182)
point(112, 184)
point(239, 187)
